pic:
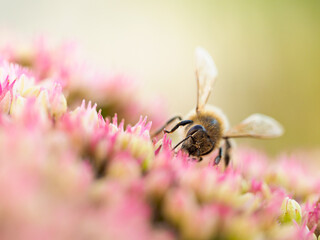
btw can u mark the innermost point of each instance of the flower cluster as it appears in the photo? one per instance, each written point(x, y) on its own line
point(67, 172)
point(79, 79)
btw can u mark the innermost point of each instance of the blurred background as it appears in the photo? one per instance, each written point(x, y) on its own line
point(267, 52)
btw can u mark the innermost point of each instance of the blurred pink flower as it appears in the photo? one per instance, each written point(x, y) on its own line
point(291, 173)
point(312, 217)
point(79, 79)
point(251, 163)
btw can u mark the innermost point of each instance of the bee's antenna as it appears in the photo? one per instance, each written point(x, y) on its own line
point(183, 140)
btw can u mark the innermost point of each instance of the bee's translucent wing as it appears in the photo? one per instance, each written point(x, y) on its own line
point(206, 73)
point(257, 126)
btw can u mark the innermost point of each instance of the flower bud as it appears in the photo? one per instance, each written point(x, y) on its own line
point(179, 204)
point(5, 103)
point(58, 103)
point(139, 148)
point(59, 106)
point(26, 87)
point(124, 168)
point(17, 106)
point(157, 183)
point(290, 211)
point(202, 225)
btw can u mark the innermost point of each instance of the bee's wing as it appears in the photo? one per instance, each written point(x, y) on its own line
point(257, 126)
point(206, 73)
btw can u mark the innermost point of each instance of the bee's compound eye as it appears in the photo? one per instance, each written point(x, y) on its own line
point(195, 129)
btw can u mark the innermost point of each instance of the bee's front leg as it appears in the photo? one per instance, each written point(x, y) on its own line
point(198, 155)
point(197, 159)
point(181, 123)
point(165, 125)
point(218, 158)
point(227, 152)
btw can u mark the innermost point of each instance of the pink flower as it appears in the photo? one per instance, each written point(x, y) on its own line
point(313, 217)
point(6, 95)
point(66, 172)
point(251, 163)
point(293, 174)
point(79, 79)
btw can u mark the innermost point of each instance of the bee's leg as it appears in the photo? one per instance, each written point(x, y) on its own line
point(218, 158)
point(181, 123)
point(198, 158)
point(227, 152)
point(166, 124)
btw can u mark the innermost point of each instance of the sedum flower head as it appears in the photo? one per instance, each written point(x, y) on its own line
point(135, 140)
point(17, 90)
point(67, 172)
point(67, 64)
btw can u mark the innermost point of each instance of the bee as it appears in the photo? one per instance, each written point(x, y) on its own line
point(207, 128)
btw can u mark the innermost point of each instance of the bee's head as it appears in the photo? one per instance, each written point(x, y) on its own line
point(199, 142)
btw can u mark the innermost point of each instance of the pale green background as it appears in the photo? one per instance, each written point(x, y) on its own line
point(267, 52)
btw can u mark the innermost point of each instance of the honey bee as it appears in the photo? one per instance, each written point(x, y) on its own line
point(206, 128)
